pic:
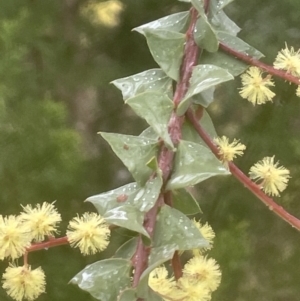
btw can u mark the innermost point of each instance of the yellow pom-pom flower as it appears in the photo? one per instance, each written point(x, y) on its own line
point(229, 151)
point(90, 233)
point(41, 221)
point(192, 290)
point(289, 60)
point(273, 178)
point(23, 283)
point(208, 233)
point(255, 87)
point(14, 237)
point(203, 270)
point(159, 281)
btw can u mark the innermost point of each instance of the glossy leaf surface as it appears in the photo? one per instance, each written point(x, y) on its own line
point(104, 279)
point(175, 231)
point(150, 80)
point(203, 77)
point(156, 109)
point(205, 36)
point(128, 217)
point(194, 163)
point(141, 197)
point(134, 152)
point(166, 48)
point(239, 45)
point(176, 22)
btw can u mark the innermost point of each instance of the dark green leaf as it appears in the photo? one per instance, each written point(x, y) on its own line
point(205, 36)
point(239, 45)
point(194, 163)
point(150, 80)
point(135, 152)
point(128, 217)
point(176, 22)
point(184, 201)
point(104, 279)
point(203, 77)
point(127, 250)
point(166, 48)
point(156, 109)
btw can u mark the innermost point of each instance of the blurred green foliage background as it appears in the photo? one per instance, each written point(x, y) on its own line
point(56, 61)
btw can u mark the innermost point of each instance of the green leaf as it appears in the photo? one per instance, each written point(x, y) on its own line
point(127, 295)
point(190, 134)
point(166, 48)
point(224, 61)
point(104, 279)
point(185, 202)
point(149, 133)
point(175, 231)
point(156, 109)
point(194, 163)
point(205, 36)
point(204, 98)
point(222, 3)
point(127, 250)
point(176, 22)
point(135, 153)
point(128, 217)
point(150, 80)
point(219, 20)
point(203, 77)
point(114, 198)
point(141, 197)
point(199, 5)
point(239, 45)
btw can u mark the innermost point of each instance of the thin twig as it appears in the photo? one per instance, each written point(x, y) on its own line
point(254, 62)
point(240, 176)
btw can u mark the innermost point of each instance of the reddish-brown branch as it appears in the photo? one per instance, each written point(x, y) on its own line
point(54, 242)
point(240, 176)
point(176, 265)
point(166, 156)
point(254, 62)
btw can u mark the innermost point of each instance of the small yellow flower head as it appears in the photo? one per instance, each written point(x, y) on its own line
point(159, 281)
point(22, 282)
point(229, 151)
point(206, 271)
point(255, 88)
point(208, 233)
point(41, 221)
point(288, 60)
point(298, 91)
point(193, 290)
point(89, 233)
point(14, 237)
point(274, 179)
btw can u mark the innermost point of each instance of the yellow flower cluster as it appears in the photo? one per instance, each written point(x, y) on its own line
point(256, 88)
point(35, 224)
point(201, 275)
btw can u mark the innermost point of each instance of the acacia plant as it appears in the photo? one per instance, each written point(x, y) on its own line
point(167, 255)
